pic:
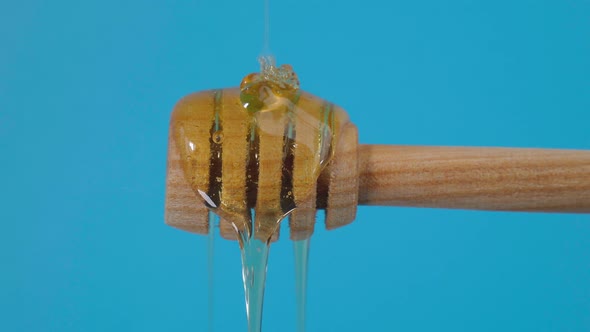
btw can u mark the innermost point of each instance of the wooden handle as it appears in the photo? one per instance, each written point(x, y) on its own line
point(506, 179)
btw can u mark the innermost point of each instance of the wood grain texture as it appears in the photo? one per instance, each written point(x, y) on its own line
point(342, 180)
point(183, 209)
point(506, 179)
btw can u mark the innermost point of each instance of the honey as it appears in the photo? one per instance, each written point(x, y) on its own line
point(253, 155)
point(260, 147)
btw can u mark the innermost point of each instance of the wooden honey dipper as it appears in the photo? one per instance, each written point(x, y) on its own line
point(212, 142)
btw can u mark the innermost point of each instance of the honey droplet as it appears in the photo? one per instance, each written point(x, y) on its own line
point(217, 137)
point(267, 90)
point(248, 79)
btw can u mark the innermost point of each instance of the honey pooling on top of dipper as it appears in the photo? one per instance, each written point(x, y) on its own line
point(262, 91)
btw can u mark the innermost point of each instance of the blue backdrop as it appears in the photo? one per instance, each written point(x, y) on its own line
point(86, 90)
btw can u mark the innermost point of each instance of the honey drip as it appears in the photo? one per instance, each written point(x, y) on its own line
point(254, 154)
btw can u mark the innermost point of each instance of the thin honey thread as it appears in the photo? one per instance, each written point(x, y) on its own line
point(266, 45)
point(213, 220)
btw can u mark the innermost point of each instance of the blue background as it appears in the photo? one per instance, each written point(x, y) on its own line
point(86, 90)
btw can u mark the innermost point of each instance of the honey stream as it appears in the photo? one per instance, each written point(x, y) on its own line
point(301, 249)
point(213, 221)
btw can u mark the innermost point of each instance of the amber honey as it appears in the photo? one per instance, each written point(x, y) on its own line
point(254, 153)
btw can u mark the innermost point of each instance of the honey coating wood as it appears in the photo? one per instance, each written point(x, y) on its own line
point(302, 220)
point(183, 209)
point(268, 205)
point(235, 130)
point(342, 183)
point(192, 122)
